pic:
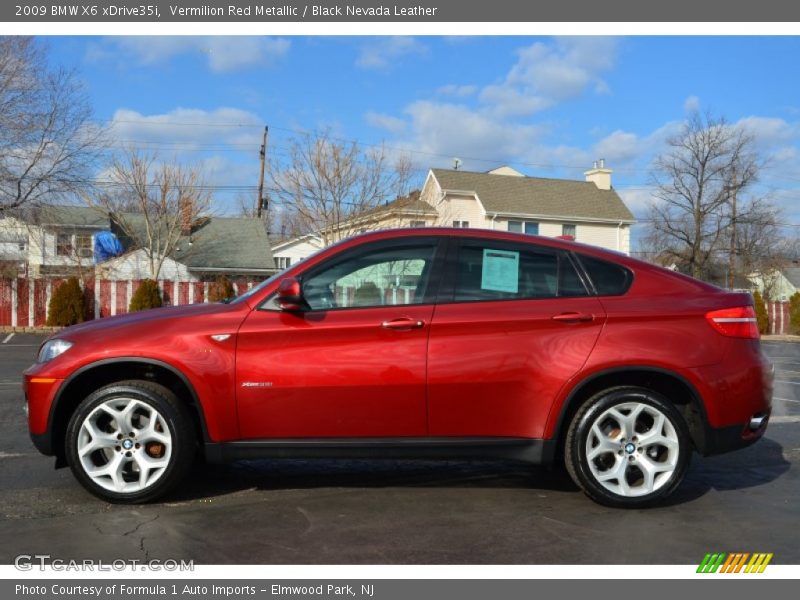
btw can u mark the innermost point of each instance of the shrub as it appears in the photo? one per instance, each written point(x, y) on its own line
point(66, 304)
point(367, 294)
point(794, 313)
point(221, 289)
point(146, 296)
point(762, 317)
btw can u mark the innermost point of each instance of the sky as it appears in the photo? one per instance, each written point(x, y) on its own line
point(546, 106)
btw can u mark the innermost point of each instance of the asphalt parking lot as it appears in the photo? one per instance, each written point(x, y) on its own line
point(386, 512)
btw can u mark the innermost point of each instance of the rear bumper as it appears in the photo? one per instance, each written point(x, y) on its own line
point(719, 440)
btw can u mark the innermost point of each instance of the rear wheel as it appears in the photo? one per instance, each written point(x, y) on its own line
point(627, 447)
point(130, 442)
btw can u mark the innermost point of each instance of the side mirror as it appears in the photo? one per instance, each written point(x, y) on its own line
point(290, 295)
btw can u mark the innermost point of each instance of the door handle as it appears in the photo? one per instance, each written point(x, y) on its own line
point(574, 317)
point(403, 323)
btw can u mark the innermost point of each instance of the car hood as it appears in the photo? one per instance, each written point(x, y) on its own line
point(136, 319)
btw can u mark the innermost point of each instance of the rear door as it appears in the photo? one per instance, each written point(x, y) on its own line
point(513, 324)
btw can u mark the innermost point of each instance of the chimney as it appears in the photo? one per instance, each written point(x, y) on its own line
point(599, 175)
point(186, 217)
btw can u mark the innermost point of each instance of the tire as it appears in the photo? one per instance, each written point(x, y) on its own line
point(627, 447)
point(130, 442)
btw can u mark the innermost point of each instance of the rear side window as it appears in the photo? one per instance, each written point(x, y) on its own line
point(512, 272)
point(609, 279)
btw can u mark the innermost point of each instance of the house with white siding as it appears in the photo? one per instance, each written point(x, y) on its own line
point(588, 211)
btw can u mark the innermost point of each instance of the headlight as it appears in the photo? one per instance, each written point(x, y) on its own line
point(52, 349)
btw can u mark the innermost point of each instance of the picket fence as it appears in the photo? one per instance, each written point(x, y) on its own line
point(24, 302)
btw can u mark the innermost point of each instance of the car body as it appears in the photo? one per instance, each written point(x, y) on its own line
point(429, 342)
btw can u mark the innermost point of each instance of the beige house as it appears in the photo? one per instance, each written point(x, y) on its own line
point(589, 211)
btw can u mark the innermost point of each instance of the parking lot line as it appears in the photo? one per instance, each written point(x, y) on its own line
point(787, 381)
point(786, 400)
point(785, 419)
point(8, 337)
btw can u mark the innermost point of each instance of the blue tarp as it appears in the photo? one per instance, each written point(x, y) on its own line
point(106, 246)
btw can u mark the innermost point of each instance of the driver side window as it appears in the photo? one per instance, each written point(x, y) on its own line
point(388, 277)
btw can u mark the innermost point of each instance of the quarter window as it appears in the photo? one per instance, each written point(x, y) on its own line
point(608, 278)
point(514, 272)
point(394, 276)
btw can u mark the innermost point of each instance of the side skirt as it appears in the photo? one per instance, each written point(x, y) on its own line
point(535, 451)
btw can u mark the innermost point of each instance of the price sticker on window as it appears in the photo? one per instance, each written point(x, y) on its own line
point(500, 271)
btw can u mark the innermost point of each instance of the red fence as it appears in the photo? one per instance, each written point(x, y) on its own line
point(778, 313)
point(24, 302)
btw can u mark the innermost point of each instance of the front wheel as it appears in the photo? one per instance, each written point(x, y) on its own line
point(130, 442)
point(627, 447)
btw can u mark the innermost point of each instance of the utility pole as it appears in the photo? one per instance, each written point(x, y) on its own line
point(260, 203)
point(732, 255)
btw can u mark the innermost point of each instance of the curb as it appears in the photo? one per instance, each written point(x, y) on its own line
point(8, 329)
point(780, 338)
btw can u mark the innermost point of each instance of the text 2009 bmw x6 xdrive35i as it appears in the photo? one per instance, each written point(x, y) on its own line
point(416, 343)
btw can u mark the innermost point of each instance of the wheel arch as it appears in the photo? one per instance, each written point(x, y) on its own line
point(97, 374)
point(675, 387)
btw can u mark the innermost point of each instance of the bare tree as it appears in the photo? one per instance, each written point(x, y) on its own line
point(154, 203)
point(708, 163)
point(326, 183)
point(48, 143)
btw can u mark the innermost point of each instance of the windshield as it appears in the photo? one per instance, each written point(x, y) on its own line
point(255, 289)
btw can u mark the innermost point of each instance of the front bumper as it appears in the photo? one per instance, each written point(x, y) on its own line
point(40, 393)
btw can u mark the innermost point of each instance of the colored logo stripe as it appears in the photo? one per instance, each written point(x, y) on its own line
point(734, 562)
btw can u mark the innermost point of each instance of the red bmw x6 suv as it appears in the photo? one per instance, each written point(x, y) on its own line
point(416, 343)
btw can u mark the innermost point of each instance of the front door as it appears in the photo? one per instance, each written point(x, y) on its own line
point(354, 363)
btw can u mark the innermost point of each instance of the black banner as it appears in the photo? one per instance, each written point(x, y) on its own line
point(370, 11)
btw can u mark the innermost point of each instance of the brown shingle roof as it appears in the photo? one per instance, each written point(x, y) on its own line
point(537, 195)
point(410, 203)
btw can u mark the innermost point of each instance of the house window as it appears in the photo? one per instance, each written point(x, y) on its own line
point(83, 245)
point(64, 244)
point(461, 224)
point(21, 246)
point(568, 229)
point(529, 227)
point(283, 262)
point(418, 223)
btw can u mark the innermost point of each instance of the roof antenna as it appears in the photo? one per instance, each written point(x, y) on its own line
point(456, 163)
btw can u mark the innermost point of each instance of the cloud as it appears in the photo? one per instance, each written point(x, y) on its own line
point(691, 104)
point(547, 73)
point(189, 128)
point(452, 130)
point(459, 91)
point(223, 54)
point(619, 147)
point(383, 53)
point(392, 124)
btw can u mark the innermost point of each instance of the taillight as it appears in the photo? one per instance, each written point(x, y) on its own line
point(734, 322)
